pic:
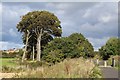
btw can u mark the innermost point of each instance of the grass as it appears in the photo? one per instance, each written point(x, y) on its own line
point(8, 62)
point(69, 68)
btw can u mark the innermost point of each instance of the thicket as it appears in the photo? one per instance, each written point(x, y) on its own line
point(73, 46)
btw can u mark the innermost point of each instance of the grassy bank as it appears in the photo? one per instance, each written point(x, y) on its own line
point(69, 68)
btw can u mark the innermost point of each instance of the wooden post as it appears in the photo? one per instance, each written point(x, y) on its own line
point(33, 54)
point(113, 62)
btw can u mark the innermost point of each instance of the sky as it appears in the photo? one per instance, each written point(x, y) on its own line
point(97, 21)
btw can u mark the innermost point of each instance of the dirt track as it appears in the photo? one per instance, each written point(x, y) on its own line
point(7, 75)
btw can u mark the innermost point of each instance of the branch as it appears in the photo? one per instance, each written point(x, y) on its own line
point(36, 32)
point(35, 38)
point(29, 37)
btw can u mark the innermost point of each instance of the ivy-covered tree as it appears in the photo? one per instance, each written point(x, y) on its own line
point(42, 25)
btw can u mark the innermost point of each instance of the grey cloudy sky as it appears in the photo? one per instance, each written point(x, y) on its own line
point(97, 21)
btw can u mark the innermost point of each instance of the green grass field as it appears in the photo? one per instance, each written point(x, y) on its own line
point(7, 62)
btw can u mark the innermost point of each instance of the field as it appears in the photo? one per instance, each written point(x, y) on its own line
point(8, 62)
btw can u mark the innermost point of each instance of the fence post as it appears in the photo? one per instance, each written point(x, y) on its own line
point(113, 62)
point(105, 63)
point(97, 61)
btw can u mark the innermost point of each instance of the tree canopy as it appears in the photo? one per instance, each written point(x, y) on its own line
point(110, 48)
point(42, 26)
point(73, 46)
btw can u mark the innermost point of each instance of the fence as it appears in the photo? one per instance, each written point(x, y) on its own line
point(105, 63)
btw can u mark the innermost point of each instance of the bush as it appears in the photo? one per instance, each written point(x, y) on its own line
point(95, 73)
point(12, 55)
point(73, 46)
point(53, 57)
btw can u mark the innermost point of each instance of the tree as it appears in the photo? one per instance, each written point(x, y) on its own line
point(73, 46)
point(83, 44)
point(26, 44)
point(40, 23)
point(110, 48)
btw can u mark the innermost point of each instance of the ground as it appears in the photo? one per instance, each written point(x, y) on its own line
point(109, 72)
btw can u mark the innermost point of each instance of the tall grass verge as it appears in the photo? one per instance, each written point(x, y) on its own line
point(69, 68)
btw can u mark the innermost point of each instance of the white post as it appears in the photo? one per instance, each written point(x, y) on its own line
point(105, 63)
point(97, 62)
point(114, 63)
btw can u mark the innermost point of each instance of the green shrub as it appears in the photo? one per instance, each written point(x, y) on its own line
point(54, 57)
point(95, 73)
point(74, 46)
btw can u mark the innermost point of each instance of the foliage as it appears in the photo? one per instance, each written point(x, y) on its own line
point(12, 54)
point(42, 25)
point(110, 48)
point(73, 46)
point(9, 55)
point(117, 61)
point(82, 42)
point(19, 54)
point(54, 56)
point(97, 55)
point(95, 73)
point(69, 68)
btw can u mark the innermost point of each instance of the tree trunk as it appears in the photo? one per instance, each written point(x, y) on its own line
point(33, 53)
point(39, 46)
point(26, 43)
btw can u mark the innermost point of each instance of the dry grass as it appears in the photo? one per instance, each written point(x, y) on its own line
point(69, 68)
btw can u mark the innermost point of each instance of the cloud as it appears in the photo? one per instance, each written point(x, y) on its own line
point(12, 33)
point(9, 45)
point(0, 8)
point(96, 21)
point(98, 42)
point(105, 18)
point(13, 13)
point(0, 21)
point(10, 18)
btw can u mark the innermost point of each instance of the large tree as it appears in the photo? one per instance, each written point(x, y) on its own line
point(110, 48)
point(42, 25)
